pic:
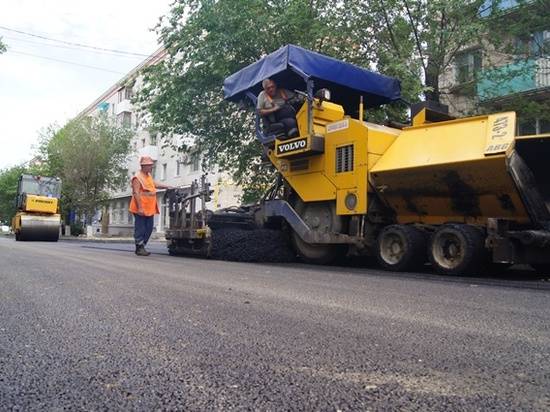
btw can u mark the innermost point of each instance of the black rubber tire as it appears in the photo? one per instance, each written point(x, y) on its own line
point(469, 244)
point(541, 268)
point(413, 243)
point(316, 254)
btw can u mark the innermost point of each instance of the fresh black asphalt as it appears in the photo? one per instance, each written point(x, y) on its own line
point(93, 327)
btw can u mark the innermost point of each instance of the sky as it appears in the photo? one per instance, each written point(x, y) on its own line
point(37, 92)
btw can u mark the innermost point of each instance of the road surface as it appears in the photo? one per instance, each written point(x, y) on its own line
point(92, 326)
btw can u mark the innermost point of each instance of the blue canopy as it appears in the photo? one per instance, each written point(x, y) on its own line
point(290, 64)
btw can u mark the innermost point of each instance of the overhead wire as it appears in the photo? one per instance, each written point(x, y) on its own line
point(73, 43)
point(64, 61)
point(38, 43)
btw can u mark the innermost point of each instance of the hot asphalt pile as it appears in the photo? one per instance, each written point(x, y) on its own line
point(259, 245)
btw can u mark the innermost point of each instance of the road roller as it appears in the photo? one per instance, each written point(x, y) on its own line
point(464, 195)
point(37, 217)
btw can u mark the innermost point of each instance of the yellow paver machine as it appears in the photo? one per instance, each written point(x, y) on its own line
point(37, 216)
point(462, 194)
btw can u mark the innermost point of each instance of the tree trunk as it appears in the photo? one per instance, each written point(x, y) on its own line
point(432, 81)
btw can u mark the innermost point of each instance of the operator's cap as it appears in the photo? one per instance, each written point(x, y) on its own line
point(146, 160)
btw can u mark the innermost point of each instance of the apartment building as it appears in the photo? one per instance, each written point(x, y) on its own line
point(171, 167)
point(483, 77)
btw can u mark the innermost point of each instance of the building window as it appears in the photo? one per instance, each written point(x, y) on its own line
point(541, 43)
point(195, 162)
point(467, 65)
point(533, 126)
point(163, 172)
point(543, 126)
point(536, 44)
point(124, 94)
point(178, 168)
point(125, 119)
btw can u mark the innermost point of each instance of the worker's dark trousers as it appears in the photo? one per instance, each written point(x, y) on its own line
point(287, 116)
point(143, 227)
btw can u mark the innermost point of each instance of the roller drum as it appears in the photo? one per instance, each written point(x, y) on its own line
point(39, 228)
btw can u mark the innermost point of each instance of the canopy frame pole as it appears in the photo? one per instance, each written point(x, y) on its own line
point(309, 85)
point(309, 90)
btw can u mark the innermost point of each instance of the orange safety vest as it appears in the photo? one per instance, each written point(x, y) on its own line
point(148, 195)
point(283, 95)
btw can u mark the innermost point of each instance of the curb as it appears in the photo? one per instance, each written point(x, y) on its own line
point(128, 240)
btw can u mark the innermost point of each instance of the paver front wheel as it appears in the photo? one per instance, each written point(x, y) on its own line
point(401, 248)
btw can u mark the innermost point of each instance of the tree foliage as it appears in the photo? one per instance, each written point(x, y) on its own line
point(8, 192)
point(415, 41)
point(207, 40)
point(89, 155)
point(3, 47)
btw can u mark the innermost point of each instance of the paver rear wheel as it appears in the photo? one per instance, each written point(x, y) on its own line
point(457, 249)
point(401, 248)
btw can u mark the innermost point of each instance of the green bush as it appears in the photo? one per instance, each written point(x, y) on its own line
point(77, 229)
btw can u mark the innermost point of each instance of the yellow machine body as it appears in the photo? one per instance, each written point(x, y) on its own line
point(451, 171)
point(37, 216)
point(333, 163)
point(41, 204)
point(432, 173)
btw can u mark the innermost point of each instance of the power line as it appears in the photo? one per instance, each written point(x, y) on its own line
point(64, 61)
point(72, 43)
point(68, 47)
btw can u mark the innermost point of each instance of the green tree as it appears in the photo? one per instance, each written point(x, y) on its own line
point(89, 155)
point(415, 41)
point(8, 192)
point(207, 40)
point(210, 39)
point(3, 47)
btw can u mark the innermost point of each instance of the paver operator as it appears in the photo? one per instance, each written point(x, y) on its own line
point(144, 205)
point(273, 103)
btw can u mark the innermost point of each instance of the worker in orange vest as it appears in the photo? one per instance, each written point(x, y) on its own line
point(144, 203)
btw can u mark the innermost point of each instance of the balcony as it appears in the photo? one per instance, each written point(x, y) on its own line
point(124, 106)
point(526, 76)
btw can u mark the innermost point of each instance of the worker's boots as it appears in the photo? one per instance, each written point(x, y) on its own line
point(140, 251)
